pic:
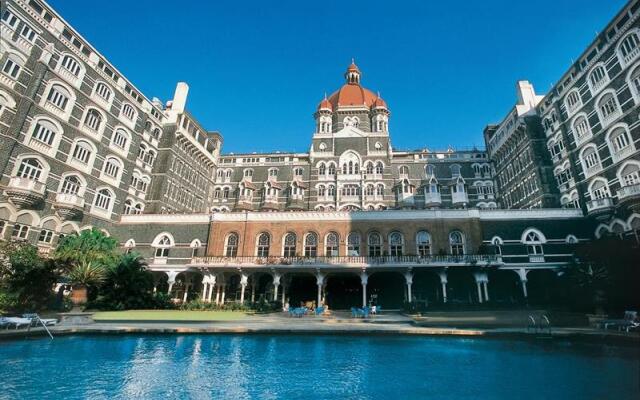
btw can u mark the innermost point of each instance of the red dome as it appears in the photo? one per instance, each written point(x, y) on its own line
point(379, 103)
point(325, 105)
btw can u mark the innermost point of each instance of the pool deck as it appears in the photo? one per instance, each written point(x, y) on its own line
point(388, 324)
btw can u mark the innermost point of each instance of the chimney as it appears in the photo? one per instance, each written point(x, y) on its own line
point(180, 97)
point(526, 94)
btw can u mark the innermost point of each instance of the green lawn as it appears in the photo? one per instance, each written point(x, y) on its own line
point(169, 315)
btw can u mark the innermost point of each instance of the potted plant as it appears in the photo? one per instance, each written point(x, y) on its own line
point(81, 276)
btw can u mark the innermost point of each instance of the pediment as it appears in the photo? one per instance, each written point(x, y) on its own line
point(350, 131)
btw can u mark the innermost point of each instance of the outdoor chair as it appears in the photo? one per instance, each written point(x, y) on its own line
point(628, 321)
point(319, 310)
point(18, 322)
point(35, 319)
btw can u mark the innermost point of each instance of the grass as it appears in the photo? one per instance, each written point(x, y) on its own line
point(169, 315)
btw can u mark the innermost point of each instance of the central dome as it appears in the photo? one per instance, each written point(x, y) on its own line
point(352, 94)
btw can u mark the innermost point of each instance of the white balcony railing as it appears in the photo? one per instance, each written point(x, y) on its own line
point(26, 184)
point(628, 191)
point(459, 197)
point(599, 204)
point(70, 200)
point(632, 55)
point(432, 198)
point(622, 153)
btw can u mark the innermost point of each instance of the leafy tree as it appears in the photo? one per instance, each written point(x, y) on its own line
point(26, 279)
point(128, 285)
point(89, 246)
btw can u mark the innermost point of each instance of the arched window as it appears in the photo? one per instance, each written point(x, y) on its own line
point(590, 160)
point(263, 243)
point(629, 174)
point(71, 64)
point(331, 170)
point(289, 249)
point(599, 189)
point(112, 167)
point(248, 173)
point(396, 244)
point(331, 246)
point(311, 245)
point(497, 245)
point(429, 170)
point(129, 112)
point(103, 91)
point(369, 190)
point(331, 190)
point(44, 132)
point(128, 207)
point(30, 168)
point(634, 83)
point(380, 190)
point(225, 193)
point(82, 152)
point(369, 168)
point(628, 48)
point(162, 247)
point(573, 101)
point(374, 244)
point(581, 129)
point(423, 243)
point(353, 244)
point(598, 78)
point(620, 144)
point(322, 169)
point(103, 199)
point(298, 172)
point(456, 243)
point(59, 97)
point(231, 245)
point(455, 170)
point(120, 138)
point(533, 241)
point(608, 108)
point(93, 120)
point(379, 168)
point(71, 185)
point(403, 171)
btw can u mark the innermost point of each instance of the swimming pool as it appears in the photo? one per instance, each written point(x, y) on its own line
point(306, 367)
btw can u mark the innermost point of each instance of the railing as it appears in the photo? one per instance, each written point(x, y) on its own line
point(632, 55)
point(622, 154)
point(599, 204)
point(467, 259)
point(628, 191)
point(32, 185)
point(70, 199)
point(459, 197)
point(536, 258)
point(432, 198)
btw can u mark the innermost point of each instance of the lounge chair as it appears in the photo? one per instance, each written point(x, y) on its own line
point(18, 322)
point(319, 310)
point(35, 320)
point(630, 320)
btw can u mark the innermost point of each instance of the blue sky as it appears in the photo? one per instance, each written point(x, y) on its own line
point(257, 70)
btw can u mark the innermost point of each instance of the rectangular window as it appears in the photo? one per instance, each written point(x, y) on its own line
point(28, 33)
point(10, 19)
point(46, 236)
point(20, 232)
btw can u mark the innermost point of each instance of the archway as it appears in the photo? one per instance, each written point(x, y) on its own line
point(505, 287)
point(542, 287)
point(386, 289)
point(343, 291)
point(301, 288)
point(427, 288)
point(461, 286)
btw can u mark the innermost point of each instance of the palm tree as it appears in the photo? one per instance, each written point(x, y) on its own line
point(83, 275)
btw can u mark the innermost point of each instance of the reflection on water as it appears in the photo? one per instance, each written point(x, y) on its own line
point(304, 367)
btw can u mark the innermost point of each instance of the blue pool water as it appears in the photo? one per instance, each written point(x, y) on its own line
point(309, 367)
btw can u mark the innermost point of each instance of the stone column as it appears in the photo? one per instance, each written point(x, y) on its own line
point(171, 280)
point(212, 285)
point(364, 279)
point(253, 289)
point(408, 276)
point(187, 286)
point(486, 290)
point(243, 285)
point(523, 281)
point(205, 287)
point(217, 294)
point(443, 282)
point(320, 283)
point(276, 284)
point(478, 278)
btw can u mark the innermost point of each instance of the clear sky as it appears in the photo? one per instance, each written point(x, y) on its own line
point(257, 69)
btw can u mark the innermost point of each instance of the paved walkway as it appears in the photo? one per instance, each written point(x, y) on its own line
point(338, 323)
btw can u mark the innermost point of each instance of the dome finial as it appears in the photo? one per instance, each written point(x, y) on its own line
point(353, 73)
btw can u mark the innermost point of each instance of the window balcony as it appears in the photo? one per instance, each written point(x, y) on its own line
point(296, 203)
point(627, 193)
point(595, 87)
point(350, 197)
point(632, 56)
point(69, 76)
point(432, 199)
point(564, 187)
point(600, 206)
point(592, 170)
point(69, 206)
point(41, 147)
point(580, 140)
point(52, 108)
point(25, 192)
point(244, 202)
point(609, 119)
point(7, 80)
point(459, 198)
point(622, 154)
